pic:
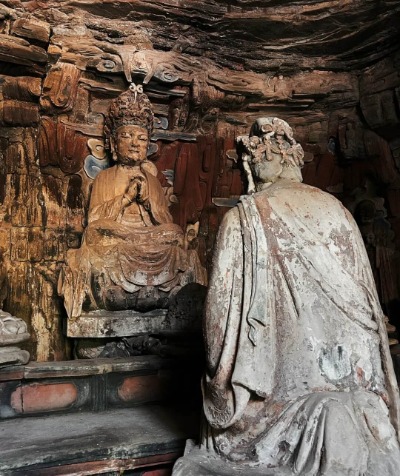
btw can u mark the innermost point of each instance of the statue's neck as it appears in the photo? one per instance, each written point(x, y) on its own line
point(129, 167)
point(289, 175)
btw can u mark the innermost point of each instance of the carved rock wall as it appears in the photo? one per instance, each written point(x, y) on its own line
point(62, 62)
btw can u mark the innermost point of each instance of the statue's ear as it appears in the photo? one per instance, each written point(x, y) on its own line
point(112, 148)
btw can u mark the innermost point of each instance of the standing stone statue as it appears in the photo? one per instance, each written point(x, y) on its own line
point(299, 379)
point(132, 254)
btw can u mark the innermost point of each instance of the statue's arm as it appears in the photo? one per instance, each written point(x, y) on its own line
point(111, 209)
point(362, 265)
point(152, 198)
point(391, 392)
point(223, 303)
point(100, 207)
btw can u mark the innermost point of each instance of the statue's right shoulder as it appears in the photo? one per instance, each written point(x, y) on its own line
point(105, 174)
point(104, 179)
point(231, 221)
point(103, 187)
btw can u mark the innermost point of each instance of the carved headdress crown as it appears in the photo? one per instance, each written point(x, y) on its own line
point(271, 135)
point(270, 138)
point(132, 107)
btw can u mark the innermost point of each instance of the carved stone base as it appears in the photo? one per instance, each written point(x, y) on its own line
point(9, 339)
point(13, 355)
point(107, 324)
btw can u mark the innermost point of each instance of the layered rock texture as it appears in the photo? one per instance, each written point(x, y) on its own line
point(331, 69)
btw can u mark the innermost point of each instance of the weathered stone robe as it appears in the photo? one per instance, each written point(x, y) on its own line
point(299, 378)
point(130, 247)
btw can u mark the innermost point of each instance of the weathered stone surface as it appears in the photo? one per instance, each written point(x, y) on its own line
point(103, 324)
point(32, 29)
point(379, 98)
point(60, 88)
point(214, 28)
point(22, 88)
point(19, 51)
point(12, 355)
point(106, 324)
point(210, 69)
point(66, 441)
point(13, 330)
point(296, 341)
point(18, 113)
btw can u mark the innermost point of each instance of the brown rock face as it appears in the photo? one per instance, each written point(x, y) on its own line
point(210, 69)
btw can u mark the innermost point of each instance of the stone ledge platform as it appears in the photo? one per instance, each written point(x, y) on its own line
point(106, 324)
point(76, 386)
point(151, 437)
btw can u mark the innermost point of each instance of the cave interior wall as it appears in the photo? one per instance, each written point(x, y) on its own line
point(61, 65)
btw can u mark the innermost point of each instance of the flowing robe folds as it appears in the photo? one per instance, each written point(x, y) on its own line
point(129, 247)
point(299, 379)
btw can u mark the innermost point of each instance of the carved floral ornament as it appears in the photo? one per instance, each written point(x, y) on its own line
point(269, 136)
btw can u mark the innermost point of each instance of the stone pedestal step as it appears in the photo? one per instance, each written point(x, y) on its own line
point(107, 324)
point(148, 437)
point(96, 385)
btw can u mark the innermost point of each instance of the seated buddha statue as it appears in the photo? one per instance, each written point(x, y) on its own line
point(132, 255)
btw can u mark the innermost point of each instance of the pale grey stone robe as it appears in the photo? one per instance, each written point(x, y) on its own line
point(299, 378)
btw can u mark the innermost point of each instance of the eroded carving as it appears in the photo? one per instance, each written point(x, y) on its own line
point(13, 330)
point(132, 255)
point(298, 361)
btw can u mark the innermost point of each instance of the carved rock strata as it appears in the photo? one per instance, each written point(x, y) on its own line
point(210, 70)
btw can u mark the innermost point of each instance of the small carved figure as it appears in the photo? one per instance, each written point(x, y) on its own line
point(13, 330)
point(10, 325)
point(132, 254)
point(299, 379)
point(378, 237)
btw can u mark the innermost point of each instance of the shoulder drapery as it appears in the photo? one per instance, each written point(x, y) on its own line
point(239, 314)
point(105, 201)
point(244, 306)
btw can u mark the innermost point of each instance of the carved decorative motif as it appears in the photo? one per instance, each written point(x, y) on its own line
point(60, 88)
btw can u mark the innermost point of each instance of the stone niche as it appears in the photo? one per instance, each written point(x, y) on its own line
point(61, 65)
